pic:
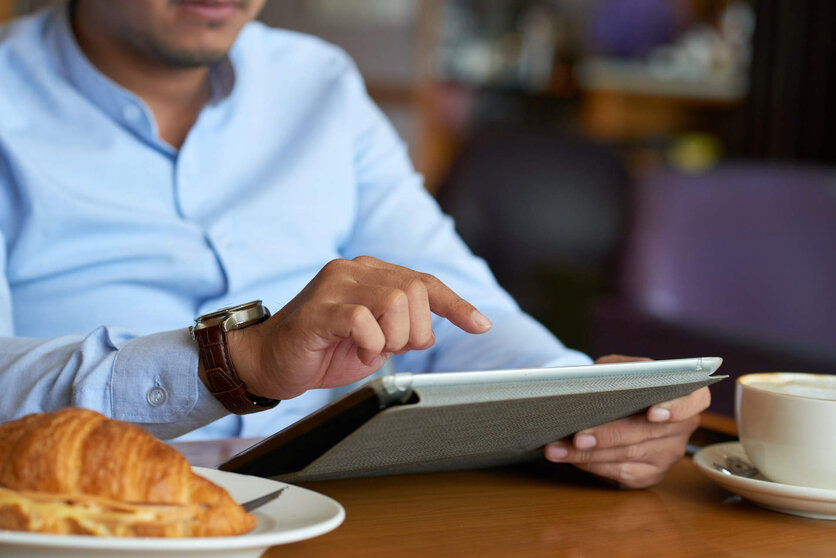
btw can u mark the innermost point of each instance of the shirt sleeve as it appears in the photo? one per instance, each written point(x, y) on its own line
point(398, 221)
point(149, 380)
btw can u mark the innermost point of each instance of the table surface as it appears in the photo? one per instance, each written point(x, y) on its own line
point(542, 509)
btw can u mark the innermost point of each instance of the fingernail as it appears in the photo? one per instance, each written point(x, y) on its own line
point(658, 414)
point(480, 320)
point(556, 453)
point(375, 360)
point(585, 441)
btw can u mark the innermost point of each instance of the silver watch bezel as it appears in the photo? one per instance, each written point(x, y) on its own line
point(233, 317)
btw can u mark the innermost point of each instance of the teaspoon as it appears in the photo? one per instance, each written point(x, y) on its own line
point(737, 467)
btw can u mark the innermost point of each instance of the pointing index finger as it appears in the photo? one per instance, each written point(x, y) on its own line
point(443, 301)
point(447, 304)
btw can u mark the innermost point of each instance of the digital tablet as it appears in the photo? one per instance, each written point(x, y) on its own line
point(406, 423)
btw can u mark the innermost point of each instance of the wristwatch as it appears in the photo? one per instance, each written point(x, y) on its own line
point(210, 332)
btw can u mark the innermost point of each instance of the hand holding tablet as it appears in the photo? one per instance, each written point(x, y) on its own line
point(406, 423)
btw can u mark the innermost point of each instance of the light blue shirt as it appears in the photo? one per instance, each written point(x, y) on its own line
point(112, 241)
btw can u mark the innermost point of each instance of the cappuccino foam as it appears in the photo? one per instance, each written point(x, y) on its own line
point(801, 385)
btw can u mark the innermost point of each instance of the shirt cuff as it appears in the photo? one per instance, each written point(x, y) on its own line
point(154, 383)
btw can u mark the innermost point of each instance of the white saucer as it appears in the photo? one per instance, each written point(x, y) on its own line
point(296, 515)
point(817, 503)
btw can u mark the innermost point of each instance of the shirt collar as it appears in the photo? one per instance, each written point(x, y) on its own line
point(121, 104)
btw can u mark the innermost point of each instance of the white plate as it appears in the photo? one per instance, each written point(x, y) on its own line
point(818, 503)
point(296, 515)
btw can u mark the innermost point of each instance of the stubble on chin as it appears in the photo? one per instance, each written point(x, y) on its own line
point(172, 55)
point(175, 56)
point(185, 58)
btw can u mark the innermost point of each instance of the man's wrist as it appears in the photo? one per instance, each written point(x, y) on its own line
point(218, 335)
point(243, 353)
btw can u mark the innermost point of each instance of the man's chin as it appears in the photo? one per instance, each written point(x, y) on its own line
point(189, 58)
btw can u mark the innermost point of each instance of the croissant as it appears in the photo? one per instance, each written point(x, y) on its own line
point(74, 471)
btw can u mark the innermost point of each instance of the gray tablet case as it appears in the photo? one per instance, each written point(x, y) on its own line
point(407, 423)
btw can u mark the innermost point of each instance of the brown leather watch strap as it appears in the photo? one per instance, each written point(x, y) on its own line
point(221, 377)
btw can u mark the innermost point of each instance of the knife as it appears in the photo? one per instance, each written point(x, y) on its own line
point(261, 500)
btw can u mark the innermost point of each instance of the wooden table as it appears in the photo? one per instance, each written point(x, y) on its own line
point(545, 510)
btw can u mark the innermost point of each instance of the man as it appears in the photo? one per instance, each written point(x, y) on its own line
point(162, 158)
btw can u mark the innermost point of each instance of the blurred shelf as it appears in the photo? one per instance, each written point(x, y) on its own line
point(637, 77)
point(626, 100)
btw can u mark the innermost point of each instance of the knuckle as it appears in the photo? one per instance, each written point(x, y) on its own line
point(424, 341)
point(328, 285)
point(395, 299)
point(393, 345)
point(321, 290)
point(429, 279)
point(365, 260)
point(357, 314)
point(616, 437)
point(416, 288)
point(610, 437)
point(634, 452)
point(582, 456)
point(337, 265)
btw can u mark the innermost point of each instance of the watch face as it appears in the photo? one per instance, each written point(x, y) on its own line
point(234, 317)
point(226, 310)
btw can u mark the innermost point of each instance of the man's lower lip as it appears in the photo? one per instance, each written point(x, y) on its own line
point(209, 11)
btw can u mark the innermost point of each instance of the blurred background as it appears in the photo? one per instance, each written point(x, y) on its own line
point(647, 177)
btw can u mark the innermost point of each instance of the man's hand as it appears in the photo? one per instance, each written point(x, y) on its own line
point(637, 451)
point(344, 325)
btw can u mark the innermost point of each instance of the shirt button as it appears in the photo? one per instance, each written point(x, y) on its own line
point(156, 396)
point(131, 112)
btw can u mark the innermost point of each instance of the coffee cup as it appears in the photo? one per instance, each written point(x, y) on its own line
point(786, 422)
